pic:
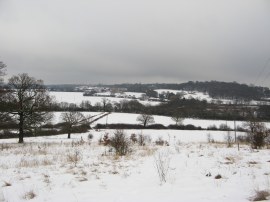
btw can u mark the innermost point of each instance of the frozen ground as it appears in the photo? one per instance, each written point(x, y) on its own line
point(79, 170)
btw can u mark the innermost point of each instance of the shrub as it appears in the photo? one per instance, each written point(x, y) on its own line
point(224, 127)
point(120, 143)
point(29, 195)
point(218, 176)
point(118, 126)
point(243, 138)
point(229, 139)
point(258, 139)
point(90, 136)
point(105, 140)
point(161, 142)
point(184, 127)
point(143, 139)
point(133, 138)
point(212, 127)
point(74, 157)
point(258, 134)
point(156, 126)
point(260, 195)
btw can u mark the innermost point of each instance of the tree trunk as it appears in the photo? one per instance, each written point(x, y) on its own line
point(21, 132)
point(144, 123)
point(68, 135)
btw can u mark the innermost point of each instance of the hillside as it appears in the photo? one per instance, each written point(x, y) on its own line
point(215, 89)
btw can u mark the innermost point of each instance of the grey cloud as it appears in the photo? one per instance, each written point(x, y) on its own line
point(103, 41)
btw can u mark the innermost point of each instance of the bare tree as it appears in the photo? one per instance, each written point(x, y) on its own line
point(3, 115)
point(257, 132)
point(177, 118)
point(2, 70)
point(26, 102)
point(72, 119)
point(145, 119)
point(106, 105)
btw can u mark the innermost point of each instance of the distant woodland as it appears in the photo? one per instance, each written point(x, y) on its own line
point(216, 89)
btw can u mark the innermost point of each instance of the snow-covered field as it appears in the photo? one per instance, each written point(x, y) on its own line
point(187, 94)
point(205, 96)
point(57, 169)
point(79, 169)
point(129, 118)
point(77, 98)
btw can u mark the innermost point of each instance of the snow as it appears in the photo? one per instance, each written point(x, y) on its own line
point(130, 118)
point(77, 98)
point(187, 94)
point(200, 96)
point(42, 166)
point(55, 169)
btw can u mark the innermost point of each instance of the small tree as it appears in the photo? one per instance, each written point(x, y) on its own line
point(145, 119)
point(106, 105)
point(177, 118)
point(258, 133)
point(26, 101)
point(72, 119)
point(2, 70)
point(3, 115)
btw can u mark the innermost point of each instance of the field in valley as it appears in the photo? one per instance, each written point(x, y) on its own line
point(189, 166)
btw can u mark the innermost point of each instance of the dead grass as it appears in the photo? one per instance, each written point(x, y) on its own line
point(147, 151)
point(260, 195)
point(4, 146)
point(28, 163)
point(46, 162)
point(74, 157)
point(32, 163)
point(29, 195)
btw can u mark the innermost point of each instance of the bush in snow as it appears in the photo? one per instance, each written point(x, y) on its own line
point(90, 136)
point(229, 139)
point(144, 139)
point(133, 138)
point(121, 143)
point(224, 127)
point(105, 140)
point(74, 157)
point(258, 134)
point(212, 127)
point(260, 195)
point(161, 142)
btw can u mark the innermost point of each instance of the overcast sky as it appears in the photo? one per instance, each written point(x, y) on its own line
point(116, 41)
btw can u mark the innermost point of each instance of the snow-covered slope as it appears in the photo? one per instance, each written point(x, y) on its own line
point(77, 98)
point(57, 169)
